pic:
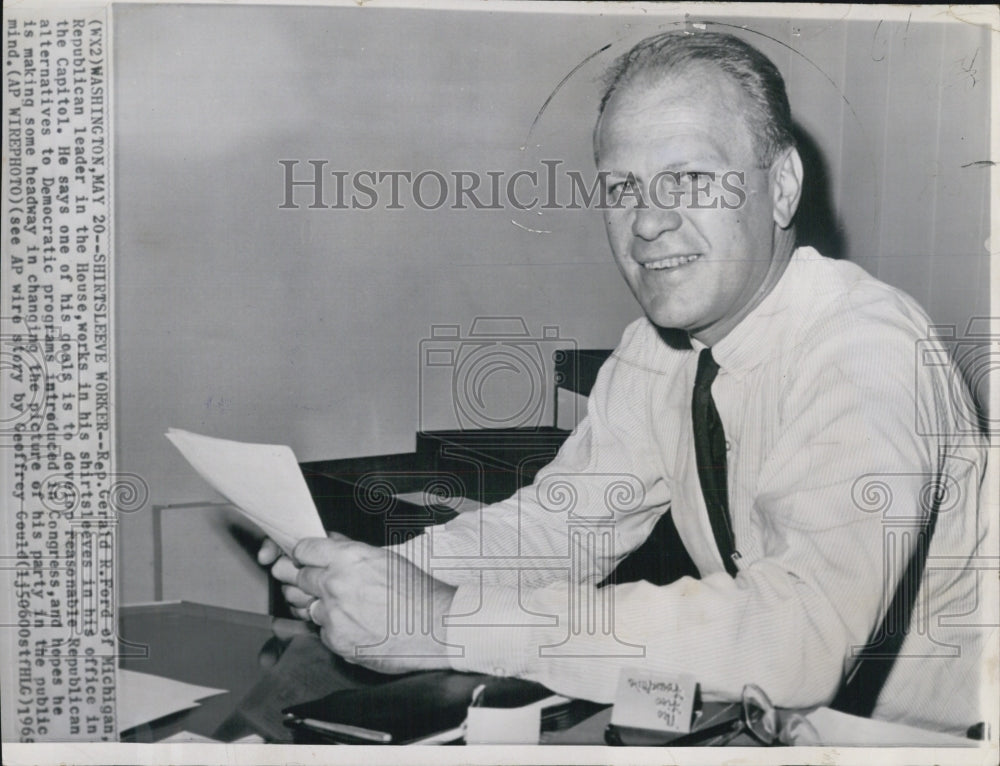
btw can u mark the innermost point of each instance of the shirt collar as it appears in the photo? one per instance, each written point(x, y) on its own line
point(753, 340)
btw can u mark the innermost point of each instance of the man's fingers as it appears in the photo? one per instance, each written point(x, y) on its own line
point(296, 597)
point(317, 612)
point(313, 610)
point(285, 570)
point(314, 581)
point(322, 551)
point(269, 552)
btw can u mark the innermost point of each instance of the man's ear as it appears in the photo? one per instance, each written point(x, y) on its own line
point(786, 188)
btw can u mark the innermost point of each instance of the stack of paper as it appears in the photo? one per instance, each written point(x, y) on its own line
point(262, 480)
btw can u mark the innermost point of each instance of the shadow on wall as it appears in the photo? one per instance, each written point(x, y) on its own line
point(816, 223)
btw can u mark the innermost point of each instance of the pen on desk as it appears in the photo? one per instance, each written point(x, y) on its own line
point(357, 732)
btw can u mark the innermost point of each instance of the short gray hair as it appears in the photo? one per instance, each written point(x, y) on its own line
point(770, 117)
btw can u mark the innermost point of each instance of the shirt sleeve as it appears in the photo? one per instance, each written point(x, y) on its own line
point(603, 480)
point(789, 619)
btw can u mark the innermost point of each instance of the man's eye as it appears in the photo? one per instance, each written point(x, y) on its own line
point(697, 178)
point(621, 189)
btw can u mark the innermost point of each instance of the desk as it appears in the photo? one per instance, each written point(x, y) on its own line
point(205, 645)
point(239, 651)
point(266, 664)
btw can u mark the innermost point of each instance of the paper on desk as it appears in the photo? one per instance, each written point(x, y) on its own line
point(190, 736)
point(843, 730)
point(508, 726)
point(143, 697)
point(503, 726)
point(186, 736)
point(262, 480)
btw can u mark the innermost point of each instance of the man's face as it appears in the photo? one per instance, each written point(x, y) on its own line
point(699, 270)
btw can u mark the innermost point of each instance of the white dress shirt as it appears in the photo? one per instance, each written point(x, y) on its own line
point(841, 419)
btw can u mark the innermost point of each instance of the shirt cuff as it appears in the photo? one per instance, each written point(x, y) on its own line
point(488, 624)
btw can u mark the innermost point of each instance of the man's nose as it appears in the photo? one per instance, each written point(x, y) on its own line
point(653, 220)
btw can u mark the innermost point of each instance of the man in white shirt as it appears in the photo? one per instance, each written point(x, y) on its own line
point(805, 452)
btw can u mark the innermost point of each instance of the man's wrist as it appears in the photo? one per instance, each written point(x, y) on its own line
point(490, 631)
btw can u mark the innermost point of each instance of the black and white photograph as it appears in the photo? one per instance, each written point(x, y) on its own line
point(569, 382)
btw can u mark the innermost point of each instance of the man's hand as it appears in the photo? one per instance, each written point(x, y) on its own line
point(352, 591)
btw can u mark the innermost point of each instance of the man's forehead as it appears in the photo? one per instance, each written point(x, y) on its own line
point(697, 109)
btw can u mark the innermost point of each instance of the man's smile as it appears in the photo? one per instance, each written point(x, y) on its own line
point(672, 262)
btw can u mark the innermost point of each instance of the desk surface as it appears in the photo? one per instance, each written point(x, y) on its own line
point(204, 645)
point(265, 664)
point(263, 672)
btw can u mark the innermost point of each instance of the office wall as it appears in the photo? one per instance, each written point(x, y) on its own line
point(242, 320)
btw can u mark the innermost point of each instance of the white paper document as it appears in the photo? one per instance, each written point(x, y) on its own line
point(843, 730)
point(262, 480)
point(186, 737)
point(143, 697)
point(508, 726)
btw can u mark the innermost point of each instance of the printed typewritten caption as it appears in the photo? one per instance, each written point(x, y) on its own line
point(61, 496)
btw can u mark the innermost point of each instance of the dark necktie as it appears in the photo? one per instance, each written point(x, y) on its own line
point(710, 453)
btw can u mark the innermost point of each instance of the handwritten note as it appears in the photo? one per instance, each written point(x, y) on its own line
point(657, 702)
